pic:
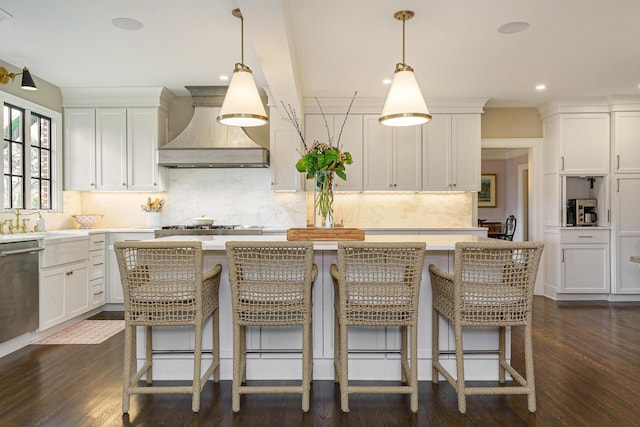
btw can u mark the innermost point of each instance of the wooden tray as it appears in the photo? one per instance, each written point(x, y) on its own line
point(339, 233)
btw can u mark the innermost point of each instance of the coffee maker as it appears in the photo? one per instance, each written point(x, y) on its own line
point(582, 213)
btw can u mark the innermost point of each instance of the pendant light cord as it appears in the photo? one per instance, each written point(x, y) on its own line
point(403, 22)
point(242, 39)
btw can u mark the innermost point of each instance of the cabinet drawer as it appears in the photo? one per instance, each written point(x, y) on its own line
point(584, 236)
point(97, 290)
point(96, 265)
point(97, 242)
point(59, 253)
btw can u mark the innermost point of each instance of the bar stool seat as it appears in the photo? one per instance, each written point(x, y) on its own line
point(377, 284)
point(163, 285)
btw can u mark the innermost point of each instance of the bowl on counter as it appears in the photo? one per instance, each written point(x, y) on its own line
point(202, 220)
point(87, 221)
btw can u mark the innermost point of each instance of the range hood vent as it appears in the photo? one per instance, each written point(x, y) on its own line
point(205, 143)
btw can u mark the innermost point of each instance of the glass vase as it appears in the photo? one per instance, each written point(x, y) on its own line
point(323, 200)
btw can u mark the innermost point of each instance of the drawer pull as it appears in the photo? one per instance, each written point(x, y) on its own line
point(98, 293)
point(585, 237)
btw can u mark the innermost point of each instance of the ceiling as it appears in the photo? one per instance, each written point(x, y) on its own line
point(330, 48)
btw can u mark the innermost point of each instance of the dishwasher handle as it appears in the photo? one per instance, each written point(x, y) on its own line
point(20, 251)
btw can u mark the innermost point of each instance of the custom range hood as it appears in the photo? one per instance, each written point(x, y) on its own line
point(205, 143)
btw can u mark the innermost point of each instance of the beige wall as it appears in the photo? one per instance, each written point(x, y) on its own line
point(511, 123)
point(47, 94)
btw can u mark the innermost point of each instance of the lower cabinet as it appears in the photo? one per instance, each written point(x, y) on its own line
point(64, 293)
point(577, 261)
point(97, 270)
point(114, 287)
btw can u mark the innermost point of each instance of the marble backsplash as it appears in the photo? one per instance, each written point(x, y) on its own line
point(244, 196)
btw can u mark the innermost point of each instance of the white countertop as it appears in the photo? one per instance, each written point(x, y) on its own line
point(62, 235)
point(444, 242)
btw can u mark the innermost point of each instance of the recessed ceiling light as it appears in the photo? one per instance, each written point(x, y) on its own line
point(386, 81)
point(541, 87)
point(513, 27)
point(127, 24)
point(224, 78)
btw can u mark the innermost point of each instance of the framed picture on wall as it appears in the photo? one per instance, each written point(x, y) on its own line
point(487, 193)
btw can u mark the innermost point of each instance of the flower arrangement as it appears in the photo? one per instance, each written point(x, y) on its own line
point(320, 160)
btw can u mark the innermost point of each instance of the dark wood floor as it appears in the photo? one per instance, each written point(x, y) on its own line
point(587, 374)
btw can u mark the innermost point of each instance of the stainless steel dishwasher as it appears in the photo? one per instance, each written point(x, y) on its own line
point(18, 288)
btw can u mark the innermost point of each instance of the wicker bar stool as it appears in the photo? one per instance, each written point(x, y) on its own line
point(164, 285)
point(270, 286)
point(492, 285)
point(377, 284)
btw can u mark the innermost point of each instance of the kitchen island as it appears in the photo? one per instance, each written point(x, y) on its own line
point(273, 352)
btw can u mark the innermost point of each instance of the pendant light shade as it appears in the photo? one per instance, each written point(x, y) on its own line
point(405, 105)
point(242, 105)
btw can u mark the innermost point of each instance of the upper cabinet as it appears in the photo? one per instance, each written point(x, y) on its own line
point(451, 153)
point(114, 147)
point(393, 157)
point(577, 143)
point(626, 142)
point(351, 140)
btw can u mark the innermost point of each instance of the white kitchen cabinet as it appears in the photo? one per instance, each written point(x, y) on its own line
point(111, 149)
point(114, 291)
point(351, 140)
point(584, 261)
point(451, 153)
point(111, 138)
point(577, 143)
point(79, 149)
point(284, 152)
point(626, 142)
point(392, 157)
point(64, 281)
point(627, 234)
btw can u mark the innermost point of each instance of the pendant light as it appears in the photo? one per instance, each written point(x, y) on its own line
point(242, 105)
point(405, 105)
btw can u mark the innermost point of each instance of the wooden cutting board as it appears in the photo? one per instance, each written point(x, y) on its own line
point(339, 233)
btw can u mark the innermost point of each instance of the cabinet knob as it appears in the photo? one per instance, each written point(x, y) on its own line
point(69, 273)
point(395, 185)
point(92, 184)
point(123, 184)
point(454, 185)
point(155, 183)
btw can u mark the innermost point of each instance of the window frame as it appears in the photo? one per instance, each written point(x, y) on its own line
point(56, 151)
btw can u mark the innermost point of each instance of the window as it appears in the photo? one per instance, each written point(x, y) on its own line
point(30, 159)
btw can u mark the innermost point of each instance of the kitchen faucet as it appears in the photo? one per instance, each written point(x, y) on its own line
point(18, 227)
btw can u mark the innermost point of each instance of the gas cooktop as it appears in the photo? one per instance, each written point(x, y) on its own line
point(174, 230)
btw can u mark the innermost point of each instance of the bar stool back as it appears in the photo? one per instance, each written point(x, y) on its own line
point(270, 286)
point(164, 285)
point(377, 284)
point(492, 286)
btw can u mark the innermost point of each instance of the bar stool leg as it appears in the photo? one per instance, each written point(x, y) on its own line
point(148, 354)
point(403, 353)
point(306, 334)
point(344, 369)
point(528, 360)
point(197, 368)
point(237, 362)
point(435, 345)
point(460, 384)
point(126, 381)
point(502, 359)
point(215, 322)
point(413, 380)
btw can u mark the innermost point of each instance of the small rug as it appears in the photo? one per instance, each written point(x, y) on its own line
point(85, 332)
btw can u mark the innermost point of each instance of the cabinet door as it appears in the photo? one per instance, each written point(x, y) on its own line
point(142, 149)
point(626, 142)
point(284, 152)
point(79, 149)
point(111, 147)
point(627, 219)
point(114, 287)
point(407, 158)
point(378, 156)
point(585, 269)
point(465, 148)
point(76, 291)
point(585, 144)
point(51, 298)
point(436, 161)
